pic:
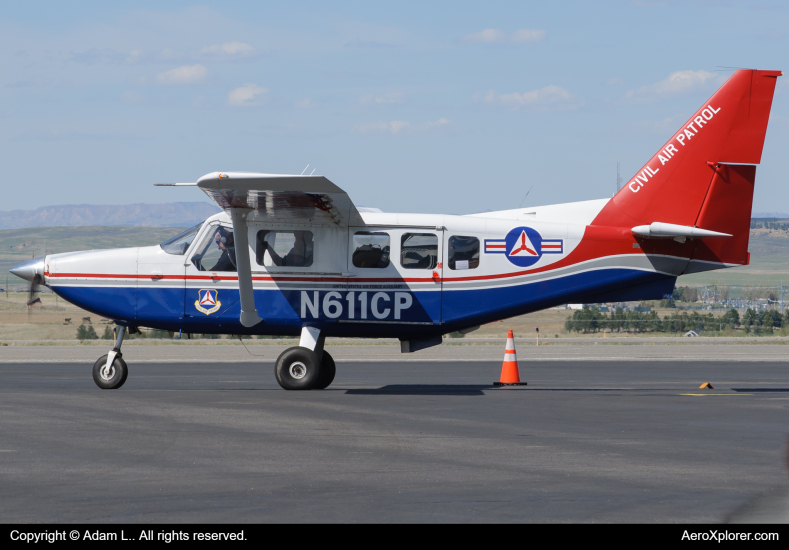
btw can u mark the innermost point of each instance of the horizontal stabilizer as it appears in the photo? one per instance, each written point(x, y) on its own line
point(670, 230)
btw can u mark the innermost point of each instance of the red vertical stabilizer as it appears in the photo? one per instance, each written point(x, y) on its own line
point(691, 180)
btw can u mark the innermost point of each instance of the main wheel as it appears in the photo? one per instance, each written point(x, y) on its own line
point(298, 369)
point(115, 378)
point(328, 370)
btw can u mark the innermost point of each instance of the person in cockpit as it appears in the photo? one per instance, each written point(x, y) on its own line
point(224, 241)
point(298, 256)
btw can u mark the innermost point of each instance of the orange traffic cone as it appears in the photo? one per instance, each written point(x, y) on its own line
point(509, 370)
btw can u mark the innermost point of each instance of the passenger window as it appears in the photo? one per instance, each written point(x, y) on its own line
point(419, 251)
point(217, 252)
point(463, 252)
point(284, 248)
point(370, 249)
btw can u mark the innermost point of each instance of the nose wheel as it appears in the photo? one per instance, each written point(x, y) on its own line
point(110, 378)
point(110, 371)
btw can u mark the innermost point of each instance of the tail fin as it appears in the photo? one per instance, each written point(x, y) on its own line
point(692, 181)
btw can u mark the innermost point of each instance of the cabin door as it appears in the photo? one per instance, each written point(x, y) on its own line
point(211, 279)
point(396, 275)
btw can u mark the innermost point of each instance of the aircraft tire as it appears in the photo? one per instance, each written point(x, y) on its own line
point(298, 368)
point(118, 373)
point(328, 370)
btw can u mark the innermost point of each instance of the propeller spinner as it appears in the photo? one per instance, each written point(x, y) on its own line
point(33, 271)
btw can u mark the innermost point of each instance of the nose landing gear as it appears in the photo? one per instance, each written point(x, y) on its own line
point(306, 366)
point(110, 371)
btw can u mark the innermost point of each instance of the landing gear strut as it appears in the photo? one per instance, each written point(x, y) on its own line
point(306, 366)
point(110, 371)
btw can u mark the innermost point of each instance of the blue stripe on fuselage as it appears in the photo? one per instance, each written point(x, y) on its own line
point(282, 310)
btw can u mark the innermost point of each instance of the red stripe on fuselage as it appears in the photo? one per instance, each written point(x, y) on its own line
point(598, 242)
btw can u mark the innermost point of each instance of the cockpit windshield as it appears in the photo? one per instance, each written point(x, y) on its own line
point(179, 244)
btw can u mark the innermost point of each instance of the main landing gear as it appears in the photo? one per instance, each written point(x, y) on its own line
point(306, 366)
point(110, 371)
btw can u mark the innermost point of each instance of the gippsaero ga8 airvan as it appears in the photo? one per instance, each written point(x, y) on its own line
point(292, 255)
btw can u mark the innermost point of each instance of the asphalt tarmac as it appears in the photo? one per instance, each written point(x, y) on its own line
point(625, 441)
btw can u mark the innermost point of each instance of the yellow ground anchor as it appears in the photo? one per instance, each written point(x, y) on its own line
point(706, 386)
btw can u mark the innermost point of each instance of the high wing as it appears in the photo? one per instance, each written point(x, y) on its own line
point(274, 198)
point(281, 198)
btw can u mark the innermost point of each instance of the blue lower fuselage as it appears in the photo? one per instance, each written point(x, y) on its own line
point(358, 310)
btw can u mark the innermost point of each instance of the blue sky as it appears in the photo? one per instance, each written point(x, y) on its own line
point(450, 107)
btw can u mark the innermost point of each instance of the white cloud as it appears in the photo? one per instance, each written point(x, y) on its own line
point(188, 74)
point(229, 48)
point(246, 95)
point(659, 127)
point(134, 56)
point(614, 82)
point(677, 83)
point(440, 122)
point(488, 36)
point(386, 99)
point(545, 99)
point(396, 126)
point(305, 105)
point(527, 35)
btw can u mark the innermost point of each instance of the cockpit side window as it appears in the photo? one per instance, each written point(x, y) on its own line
point(370, 249)
point(179, 244)
point(284, 248)
point(217, 251)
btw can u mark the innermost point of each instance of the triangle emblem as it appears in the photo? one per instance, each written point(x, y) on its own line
point(523, 247)
point(207, 300)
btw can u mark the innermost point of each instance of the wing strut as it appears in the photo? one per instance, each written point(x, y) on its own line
point(249, 315)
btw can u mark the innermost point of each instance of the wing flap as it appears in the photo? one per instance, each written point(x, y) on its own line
point(282, 198)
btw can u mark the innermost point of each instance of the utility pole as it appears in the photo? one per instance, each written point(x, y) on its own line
point(618, 179)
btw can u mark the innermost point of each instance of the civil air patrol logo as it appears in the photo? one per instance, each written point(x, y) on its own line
point(523, 246)
point(207, 301)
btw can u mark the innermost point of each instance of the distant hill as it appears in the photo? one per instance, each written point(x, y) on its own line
point(18, 245)
point(174, 214)
point(780, 215)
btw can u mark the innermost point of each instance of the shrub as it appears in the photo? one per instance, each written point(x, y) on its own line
point(86, 332)
point(108, 334)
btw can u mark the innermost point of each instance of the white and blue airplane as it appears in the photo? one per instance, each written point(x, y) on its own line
point(292, 255)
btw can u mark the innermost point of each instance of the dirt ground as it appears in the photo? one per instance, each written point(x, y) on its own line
point(42, 322)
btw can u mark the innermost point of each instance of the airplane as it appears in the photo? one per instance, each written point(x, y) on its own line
point(292, 255)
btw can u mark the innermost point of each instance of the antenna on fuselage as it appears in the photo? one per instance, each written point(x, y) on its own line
point(313, 171)
point(305, 169)
point(618, 179)
point(527, 194)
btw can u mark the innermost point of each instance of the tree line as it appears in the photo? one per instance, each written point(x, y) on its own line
point(590, 319)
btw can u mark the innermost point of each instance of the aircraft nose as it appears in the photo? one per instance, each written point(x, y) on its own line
point(29, 269)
